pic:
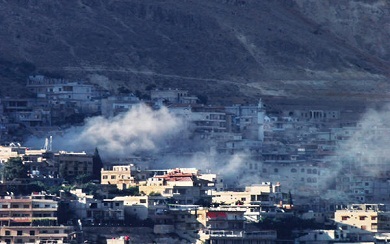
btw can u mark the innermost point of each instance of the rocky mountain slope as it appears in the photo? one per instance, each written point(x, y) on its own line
point(229, 49)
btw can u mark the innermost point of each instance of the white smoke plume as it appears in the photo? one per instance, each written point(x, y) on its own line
point(231, 168)
point(363, 155)
point(141, 129)
point(367, 145)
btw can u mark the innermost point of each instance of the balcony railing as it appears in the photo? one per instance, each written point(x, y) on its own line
point(243, 234)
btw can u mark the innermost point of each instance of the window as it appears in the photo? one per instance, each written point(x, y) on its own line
point(113, 177)
point(4, 206)
point(32, 232)
point(362, 217)
point(56, 231)
point(26, 206)
point(276, 170)
point(293, 170)
point(344, 217)
point(19, 233)
point(142, 200)
point(68, 88)
point(105, 177)
point(7, 233)
point(373, 217)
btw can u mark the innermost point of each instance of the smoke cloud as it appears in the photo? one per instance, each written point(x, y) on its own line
point(232, 168)
point(139, 130)
point(362, 156)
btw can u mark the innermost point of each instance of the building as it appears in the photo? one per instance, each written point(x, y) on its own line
point(115, 105)
point(188, 220)
point(363, 217)
point(31, 219)
point(14, 150)
point(135, 205)
point(248, 120)
point(60, 89)
point(96, 211)
point(361, 221)
point(263, 193)
point(119, 175)
point(73, 164)
point(183, 187)
point(227, 225)
point(172, 96)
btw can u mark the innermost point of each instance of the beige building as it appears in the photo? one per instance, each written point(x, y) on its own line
point(135, 205)
point(255, 194)
point(11, 151)
point(31, 219)
point(363, 218)
point(119, 175)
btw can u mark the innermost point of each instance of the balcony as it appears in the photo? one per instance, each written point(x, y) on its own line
point(15, 209)
point(243, 234)
point(229, 218)
point(52, 235)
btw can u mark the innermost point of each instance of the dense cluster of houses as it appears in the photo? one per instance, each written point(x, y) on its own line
point(299, 161)
point(183, 201)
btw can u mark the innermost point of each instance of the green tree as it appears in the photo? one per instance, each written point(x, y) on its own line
point(13, 169)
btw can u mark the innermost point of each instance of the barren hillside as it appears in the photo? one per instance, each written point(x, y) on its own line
point(229, 49)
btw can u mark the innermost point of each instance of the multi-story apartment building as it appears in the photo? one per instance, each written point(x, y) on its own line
point(265, 194)
point(359, 222)
point(249, 120)
point(114, 105)
point(227, 225)
point(14, 150)
point(60, 89)
point(363, 218)
point(120, 175)
point(97, 211)
point(31, 219)
point(73, 164)
point(183, 187)
point(298, 176)
point(172, 96)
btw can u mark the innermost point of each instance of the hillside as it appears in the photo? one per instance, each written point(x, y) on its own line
point(229, 49)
